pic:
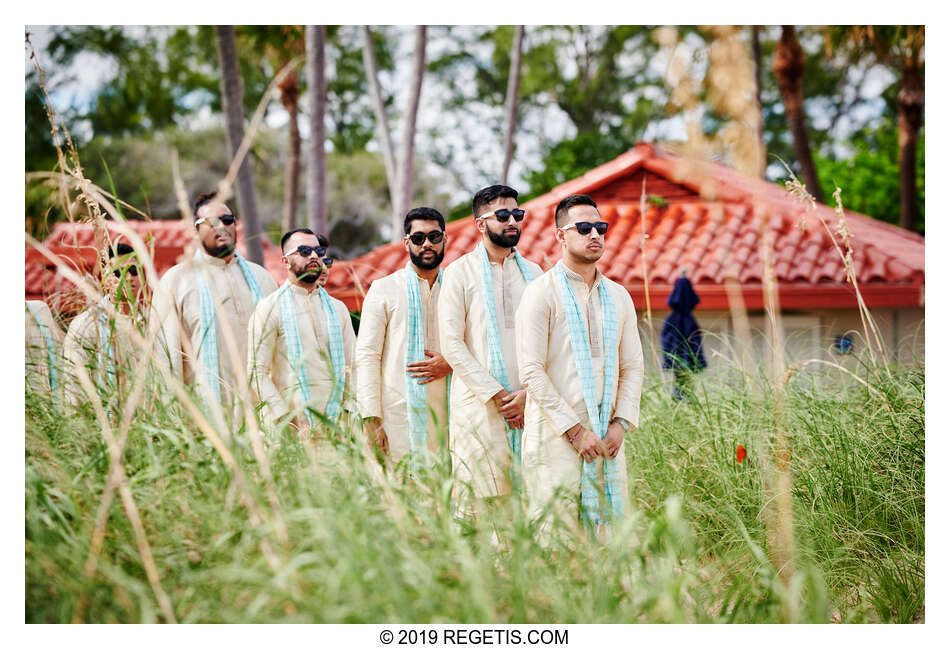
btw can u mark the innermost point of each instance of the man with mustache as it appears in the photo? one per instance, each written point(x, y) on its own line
point(204, 303)
point(101, 341)
point(300, 341)
point(480, 294)
point(582, 366)
point(400, 376)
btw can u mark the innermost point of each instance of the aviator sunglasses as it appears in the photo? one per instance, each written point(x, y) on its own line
point(584, 227)
point(227, 219)
point(418, 238)
point(502, 215)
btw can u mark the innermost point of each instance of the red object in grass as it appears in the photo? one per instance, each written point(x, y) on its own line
point(740, 453)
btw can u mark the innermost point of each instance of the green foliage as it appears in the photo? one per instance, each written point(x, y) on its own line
point(366, 549)
point(870, 176)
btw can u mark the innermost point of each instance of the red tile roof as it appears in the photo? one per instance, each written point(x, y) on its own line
point(76, 245)
point(706, 225)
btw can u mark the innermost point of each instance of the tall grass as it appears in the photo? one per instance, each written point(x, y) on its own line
point(363, 547)
point(256, 525)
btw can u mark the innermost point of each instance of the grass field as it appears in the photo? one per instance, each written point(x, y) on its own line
point(360, 548)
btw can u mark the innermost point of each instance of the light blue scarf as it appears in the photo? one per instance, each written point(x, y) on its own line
point(416, 398)
point(337, 361)
point(599, 415)
point(104, 353)
point(208, 350)
point(50, 348)
point(288, 318)
point(496, 359)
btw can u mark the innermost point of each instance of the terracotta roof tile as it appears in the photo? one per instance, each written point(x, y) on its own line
point(709, 224)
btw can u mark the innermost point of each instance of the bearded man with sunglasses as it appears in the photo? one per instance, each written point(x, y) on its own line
point(100, 340)
point(582, 366)
point(203, 306)
point(480, 295)
point(300, 341)
point(401, 374)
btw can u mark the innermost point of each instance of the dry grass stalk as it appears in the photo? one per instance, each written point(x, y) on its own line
point(779, 515)
point(731, 90)
point(646, 282)
point(740, 322)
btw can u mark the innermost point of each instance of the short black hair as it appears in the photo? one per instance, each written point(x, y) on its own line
point(567, 203)
point(485, 196)
point(201, 200)
point(323, 241)
point(290, 233)
point(423, 214)
point(120, 249)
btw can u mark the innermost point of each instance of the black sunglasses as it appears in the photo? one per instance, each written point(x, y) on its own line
point(584, 227)
point(503, 215)
point(306, 251)
point(132, 270)
point(418, 238)
point(328, 261)
point(227, 219)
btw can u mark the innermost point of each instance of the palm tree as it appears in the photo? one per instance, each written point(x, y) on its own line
point(900, 48)
point(232, 98)
point(789, 68)
point(511, 101)
point(398, 172)
point(317, 170)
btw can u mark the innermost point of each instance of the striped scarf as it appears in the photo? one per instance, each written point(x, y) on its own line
point(599, 415)
point(208, 349)
point(288, 318)
point(337, 359)
point(417, 403)
point(496, 359)
point(50, 349)
point(105, 354)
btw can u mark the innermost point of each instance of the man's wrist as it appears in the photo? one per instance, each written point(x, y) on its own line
point(626, 425)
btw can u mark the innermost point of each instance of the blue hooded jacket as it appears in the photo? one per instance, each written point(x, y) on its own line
point(680, 337)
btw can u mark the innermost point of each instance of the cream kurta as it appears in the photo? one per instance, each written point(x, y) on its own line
point(273, 379)
point(555, 399)
point(37, 359)
point(477, 437)
point(82, 349)
point(381, 359)
point(177, 309)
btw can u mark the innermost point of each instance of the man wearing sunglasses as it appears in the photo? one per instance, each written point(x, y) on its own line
point(203, 306)
point(401, 374)
point(100, 341)
point(327, 262)
point(480, 294)
point(582, 366)
point(300, 341)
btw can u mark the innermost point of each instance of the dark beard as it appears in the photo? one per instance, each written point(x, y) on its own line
point(502, 240)
point(309, 276)
point(427, 265)
point(220, 251)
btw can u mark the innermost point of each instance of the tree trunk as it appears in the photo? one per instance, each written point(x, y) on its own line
point(789, 69)
point(404, 172)
point(290, 98)
point(317, 174)
point(379, 109)
point(511, 101)
point(910, 113)
point(232, 101)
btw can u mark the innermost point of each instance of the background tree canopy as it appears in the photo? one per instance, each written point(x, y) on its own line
point(587, 94)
